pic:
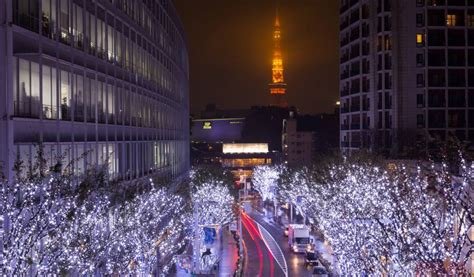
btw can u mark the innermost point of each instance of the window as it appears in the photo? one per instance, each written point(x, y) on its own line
point(451, 20)
point(470, 99)
point(470, 77)
point(456, 57)
point(420, 59)
point(387, 23)
point(65, 93)
point(388, 81)
point(456, 119)
point(436, 18)
point(470, 57)
point(436, 78)
point(456, 98)
point(436, 37)
point(420, 20)
point(420, 40)
point(388, 43)
point(470, 20)
point(420, 101)
point(436, 98)
point(470, 37)
point(456, 78)
point(436, 57)
point(420, 80)
point(420, 120)
point(436, 119)
point(420, 3)
point(50, 107)
point(456, 37)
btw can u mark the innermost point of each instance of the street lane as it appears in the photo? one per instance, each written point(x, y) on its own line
point(260, 261)
point(295, 262)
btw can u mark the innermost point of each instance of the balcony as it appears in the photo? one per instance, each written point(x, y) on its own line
point(355, 108)
point(355, 72)
point(355, 90)
point(355, 144)
point(27, 21)
point(355, 126)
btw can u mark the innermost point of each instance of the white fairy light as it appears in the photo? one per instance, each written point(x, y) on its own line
point(396, 222)
point(48, 229)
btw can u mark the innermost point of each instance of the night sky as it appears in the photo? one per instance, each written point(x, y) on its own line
point(230, 50)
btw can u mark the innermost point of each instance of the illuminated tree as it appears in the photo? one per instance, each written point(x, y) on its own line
point(405, 220)
point(214, 203)
point(265, 181)
point(47, 229)
point(34, 215)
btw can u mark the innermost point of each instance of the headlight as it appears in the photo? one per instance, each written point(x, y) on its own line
point(295, 248)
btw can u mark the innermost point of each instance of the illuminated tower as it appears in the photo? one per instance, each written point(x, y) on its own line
point(278, 85)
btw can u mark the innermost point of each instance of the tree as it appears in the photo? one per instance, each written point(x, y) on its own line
point(265, 181)
point(388, 220)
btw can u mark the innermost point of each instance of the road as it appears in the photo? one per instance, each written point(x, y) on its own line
point(260, 261)
point(295, 262)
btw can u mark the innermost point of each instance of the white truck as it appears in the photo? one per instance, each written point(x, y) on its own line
point(298, 238)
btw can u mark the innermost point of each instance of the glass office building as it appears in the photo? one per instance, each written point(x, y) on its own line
point(94, 82)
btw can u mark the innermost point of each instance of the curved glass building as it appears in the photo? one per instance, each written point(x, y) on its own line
point(94, 82)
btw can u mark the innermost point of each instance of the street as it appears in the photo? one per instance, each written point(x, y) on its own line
point(260, 261)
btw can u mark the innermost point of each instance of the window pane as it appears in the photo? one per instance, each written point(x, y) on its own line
point(65, 96)
point(24, 93)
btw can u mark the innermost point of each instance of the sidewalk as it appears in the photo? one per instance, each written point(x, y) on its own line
point(229, 255)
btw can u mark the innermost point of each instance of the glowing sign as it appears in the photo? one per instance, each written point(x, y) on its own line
point(207, 125)
point(244, 148)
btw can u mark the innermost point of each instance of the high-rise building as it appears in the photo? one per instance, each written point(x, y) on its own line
point(406, 72)
point(278, 85)
point(94, 82)
point(298, 145)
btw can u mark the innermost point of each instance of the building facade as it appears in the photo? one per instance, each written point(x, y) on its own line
point(94, 82)
point(406, 72)
point(298, 146)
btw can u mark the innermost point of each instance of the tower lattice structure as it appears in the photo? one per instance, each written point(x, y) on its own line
point(278, 85)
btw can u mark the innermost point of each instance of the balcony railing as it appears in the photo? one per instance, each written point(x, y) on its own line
point(27, 109)
point(355, 126)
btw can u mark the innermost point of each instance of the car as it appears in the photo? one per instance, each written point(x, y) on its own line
point(320, 271)
point(311, 258)
point(285, 233)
